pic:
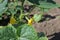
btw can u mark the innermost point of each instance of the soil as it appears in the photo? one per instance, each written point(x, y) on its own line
point(50, 27)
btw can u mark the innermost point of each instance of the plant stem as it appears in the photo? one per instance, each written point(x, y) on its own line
point(27, 18)
point(21, 15)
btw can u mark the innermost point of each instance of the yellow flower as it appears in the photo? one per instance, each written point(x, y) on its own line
point(30, 21)
point(12, 20)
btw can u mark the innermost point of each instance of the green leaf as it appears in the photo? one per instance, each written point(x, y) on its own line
point(1, 1)
point(43, 38)
point(37, 17)
point(22, 39)
point(27, 32)
point(47, 5)
point(7, 33)
point(46, 10)
point(3, 6)
point(11, 8)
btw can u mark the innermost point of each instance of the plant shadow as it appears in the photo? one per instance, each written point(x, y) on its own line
point(47, 18)
point(56, 36)
point(41, 34)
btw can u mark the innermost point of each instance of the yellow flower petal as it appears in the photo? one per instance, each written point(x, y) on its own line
point(12, 20)
point(30, 21)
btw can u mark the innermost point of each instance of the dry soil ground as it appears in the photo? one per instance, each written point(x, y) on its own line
point(51, 27)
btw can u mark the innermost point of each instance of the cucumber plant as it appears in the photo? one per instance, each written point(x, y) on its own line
point(15, 8)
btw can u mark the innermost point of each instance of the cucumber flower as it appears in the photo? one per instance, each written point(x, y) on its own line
point(30, 21)
point(12, 20)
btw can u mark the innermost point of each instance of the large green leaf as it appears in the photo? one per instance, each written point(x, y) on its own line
point(7, 33)
point(3, 6)
point(37, 17)
point(47, 5)
point(27, 32)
